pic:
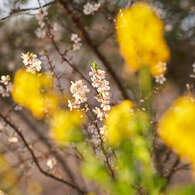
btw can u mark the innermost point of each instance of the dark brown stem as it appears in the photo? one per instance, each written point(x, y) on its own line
point(172, 169)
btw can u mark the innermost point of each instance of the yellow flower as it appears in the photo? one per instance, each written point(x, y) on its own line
point(177, 127)
point(140, 37)
point(35, 92)
point(8, 177)
point(65, 126)
point(120, 123)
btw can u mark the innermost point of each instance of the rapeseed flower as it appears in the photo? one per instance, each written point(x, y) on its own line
point(177, 127)
point(35, 92)
point(120, 123)
point(140, 37)
point(65, 126)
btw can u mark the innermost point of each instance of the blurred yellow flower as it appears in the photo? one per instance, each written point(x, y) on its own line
point(140, 37)
point(120, 123)
point(35, 92)
point(8, 177)
point(65, 126)
point(177, 127)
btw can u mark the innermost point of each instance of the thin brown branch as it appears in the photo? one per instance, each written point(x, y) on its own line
point(63, 57)
point(45, 141)
point(172, 169)
point(18, 132)
point(56, 76)
point(182, 167)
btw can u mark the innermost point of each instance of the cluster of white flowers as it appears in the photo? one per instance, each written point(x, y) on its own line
point(7, 86)
point(77, 42)
point(160, 79)
point(102, 85)
point(31, 62)
point(41, 31)
point(79, 91)
point(5, 79)
point(90, 8)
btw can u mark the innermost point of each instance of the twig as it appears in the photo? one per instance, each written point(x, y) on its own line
point(7, 121)
point(19, 11)
point(56, 76)
point(88, 40)
point(44, 140)
point(50, 35)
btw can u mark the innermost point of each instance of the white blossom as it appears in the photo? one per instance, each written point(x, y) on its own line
point(40, 16)
point(5, 79)
point(160, 79)
point(13, 139)
point(163, 66)
point(93, 131)
point(76, 46)
point(40, 33)
point(193, 66)
point(75, 38)
point(77, 42)
point(31, 62)
point(4, 92)
point(90, 8)
point(193, 70)
point(102, 130)
point(73, 105)
point(79, 92)
point(102, 86)
point(51, 163)
point(18, 107)
point(99, 112)
point(9, 87)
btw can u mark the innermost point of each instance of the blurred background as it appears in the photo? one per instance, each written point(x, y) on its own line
point(19, 34)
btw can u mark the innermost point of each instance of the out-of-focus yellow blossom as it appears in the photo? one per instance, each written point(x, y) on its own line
point(120, 123)
point(140, 37)
point(34, 188)
point(177, 127)
point(65, 126)
point(8, 177)
point(35, 92)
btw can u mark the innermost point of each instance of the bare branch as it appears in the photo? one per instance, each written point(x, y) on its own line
point(7, 121)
